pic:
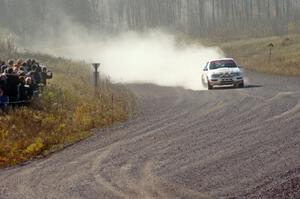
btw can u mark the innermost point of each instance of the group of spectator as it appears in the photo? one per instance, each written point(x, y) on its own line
point(20, 80)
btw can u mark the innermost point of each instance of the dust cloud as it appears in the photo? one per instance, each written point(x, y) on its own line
point(153, 57)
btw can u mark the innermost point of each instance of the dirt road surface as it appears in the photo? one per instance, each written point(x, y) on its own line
point(225, 143)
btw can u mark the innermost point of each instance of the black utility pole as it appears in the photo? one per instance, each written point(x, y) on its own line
point(96, 75)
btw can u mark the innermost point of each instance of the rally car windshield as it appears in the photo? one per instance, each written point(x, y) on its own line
point(222, 64)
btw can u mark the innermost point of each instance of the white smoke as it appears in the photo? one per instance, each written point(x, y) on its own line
point(146, 58)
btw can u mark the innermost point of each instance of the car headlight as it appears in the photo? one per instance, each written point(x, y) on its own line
point(215, 76)
point(236, 74)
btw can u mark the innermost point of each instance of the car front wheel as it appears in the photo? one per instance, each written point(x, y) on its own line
point(241, 85)
point(209, 86)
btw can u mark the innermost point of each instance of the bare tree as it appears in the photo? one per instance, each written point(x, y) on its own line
point(206, 18)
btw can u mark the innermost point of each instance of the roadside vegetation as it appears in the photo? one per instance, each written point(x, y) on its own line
point(275, 55)
point(65, 113)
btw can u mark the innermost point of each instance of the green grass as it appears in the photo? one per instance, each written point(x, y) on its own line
point(65, 113)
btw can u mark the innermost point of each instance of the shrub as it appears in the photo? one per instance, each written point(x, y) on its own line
point(36, 147)
point(65, 113)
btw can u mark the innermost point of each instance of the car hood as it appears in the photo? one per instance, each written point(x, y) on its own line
point(225, 71)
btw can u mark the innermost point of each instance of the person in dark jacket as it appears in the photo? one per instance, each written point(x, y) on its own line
point(3, 101)
point(45, 75)
point(22, 91)
point(35, 75)
point(28, 88)
point(27, 65)
point(2, 66)
point(3, 82)
point(12, 82)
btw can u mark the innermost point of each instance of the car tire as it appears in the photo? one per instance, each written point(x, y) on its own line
point(241, 85)
point(210, 87)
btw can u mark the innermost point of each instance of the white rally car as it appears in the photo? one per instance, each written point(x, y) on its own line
point(220, 72)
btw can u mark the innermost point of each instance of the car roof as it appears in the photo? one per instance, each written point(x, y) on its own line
point(221, 59)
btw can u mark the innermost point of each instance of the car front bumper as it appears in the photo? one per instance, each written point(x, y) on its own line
point(226, 81)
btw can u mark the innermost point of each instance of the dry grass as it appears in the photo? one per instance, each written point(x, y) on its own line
point(254, 54)
point(67, 111)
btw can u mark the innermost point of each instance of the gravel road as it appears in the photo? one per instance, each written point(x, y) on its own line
point(224, 143)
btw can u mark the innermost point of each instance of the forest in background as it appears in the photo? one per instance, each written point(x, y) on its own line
point(32, 19)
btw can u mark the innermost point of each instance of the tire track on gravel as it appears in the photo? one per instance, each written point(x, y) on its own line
point(225, 143)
